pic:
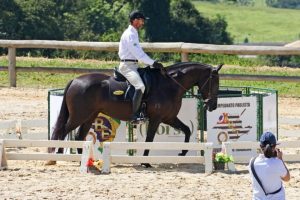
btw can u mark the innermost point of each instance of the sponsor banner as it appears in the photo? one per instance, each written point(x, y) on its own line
point(188, 115)
point(270, 113)
point(235, 119)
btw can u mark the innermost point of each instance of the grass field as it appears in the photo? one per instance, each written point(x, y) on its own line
point(53, 80)
point(258, 23)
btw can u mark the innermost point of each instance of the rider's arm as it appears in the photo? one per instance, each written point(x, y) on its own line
point(287, 176)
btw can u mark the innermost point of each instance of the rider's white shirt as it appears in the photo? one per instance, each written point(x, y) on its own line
point(129, 47)
point(269, 171)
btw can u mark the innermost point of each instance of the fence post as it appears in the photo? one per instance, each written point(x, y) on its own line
point(106, 158)
point(3, 162)
point(184, 57)
point(12, 67)
point(208, 156)
point(228, 150)
point(87, 153)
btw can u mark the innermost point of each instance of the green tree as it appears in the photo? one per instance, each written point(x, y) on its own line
point(158, 27)
point(10, 20)
point(40, 20)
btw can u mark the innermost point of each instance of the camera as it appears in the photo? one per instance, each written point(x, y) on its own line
point(274, 153)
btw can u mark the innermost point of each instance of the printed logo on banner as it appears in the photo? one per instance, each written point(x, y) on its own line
point(103, 129)
point(235, 119)
point(230, 127)
point(165, 130)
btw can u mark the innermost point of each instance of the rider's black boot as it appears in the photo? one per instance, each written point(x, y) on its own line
point(136, 102)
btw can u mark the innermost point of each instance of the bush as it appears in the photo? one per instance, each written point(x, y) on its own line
point(292, 4)
point(281, 61)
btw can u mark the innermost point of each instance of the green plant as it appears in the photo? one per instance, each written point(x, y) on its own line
point(223, 158)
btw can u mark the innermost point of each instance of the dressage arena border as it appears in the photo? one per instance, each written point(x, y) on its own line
point(19, 128)
point(4, 156)
point(229, 147)
point(108, 158)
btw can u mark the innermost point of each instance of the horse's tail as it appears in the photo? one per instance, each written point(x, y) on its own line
point(60, 125)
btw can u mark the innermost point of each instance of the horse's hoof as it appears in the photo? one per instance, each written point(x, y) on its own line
point(181, 154)
point(146, 165)
point(50, 162)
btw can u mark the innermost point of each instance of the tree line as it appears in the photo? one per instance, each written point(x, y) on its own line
point(105, 20)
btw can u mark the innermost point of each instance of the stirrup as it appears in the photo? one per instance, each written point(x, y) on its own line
point(139, 119)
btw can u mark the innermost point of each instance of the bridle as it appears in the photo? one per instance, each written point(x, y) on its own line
point(208, 80)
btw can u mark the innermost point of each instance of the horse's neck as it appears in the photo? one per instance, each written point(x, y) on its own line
point(191, 76)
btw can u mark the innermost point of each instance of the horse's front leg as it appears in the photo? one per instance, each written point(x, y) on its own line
point(152, 128)
point(177, 124)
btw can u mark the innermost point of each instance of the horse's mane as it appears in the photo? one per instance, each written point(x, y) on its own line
point(179, 67)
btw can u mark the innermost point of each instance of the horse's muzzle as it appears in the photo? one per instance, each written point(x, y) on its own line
point(210, 105)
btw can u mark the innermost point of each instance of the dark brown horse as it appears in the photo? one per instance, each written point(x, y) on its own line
point(89, 94)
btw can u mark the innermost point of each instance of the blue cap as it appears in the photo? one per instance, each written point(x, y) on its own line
point(268, 138)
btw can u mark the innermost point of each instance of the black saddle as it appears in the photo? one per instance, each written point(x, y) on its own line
point(120, 88)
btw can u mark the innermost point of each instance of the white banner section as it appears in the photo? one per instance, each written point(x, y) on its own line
point(235, 119)
point(188, 115)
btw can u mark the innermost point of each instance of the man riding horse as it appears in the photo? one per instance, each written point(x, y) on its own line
point(90, 94)
point(130, 52)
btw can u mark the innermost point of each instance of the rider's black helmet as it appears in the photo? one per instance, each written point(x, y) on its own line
point(136, 15)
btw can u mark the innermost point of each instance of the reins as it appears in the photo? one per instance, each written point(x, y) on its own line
point(190, 93)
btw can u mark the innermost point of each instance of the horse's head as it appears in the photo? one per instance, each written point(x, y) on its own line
point(209, 90)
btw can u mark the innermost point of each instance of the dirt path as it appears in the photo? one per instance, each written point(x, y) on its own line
point(33, 180)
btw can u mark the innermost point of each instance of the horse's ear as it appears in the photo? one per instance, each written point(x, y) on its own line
point(219, 67)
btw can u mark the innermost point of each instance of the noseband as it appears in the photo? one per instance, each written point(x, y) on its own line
point(209, 80)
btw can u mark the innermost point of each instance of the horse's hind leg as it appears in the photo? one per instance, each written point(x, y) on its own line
point(60, 133)
point(177, 124)
point(70, 126)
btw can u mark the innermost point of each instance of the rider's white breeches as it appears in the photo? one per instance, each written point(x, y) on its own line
point(129, 70)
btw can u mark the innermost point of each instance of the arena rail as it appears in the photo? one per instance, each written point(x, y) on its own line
point(178, 47)
point(8, 126)
point(230, 146)
point(12, 129)
point(108, 158)
point(4, 156)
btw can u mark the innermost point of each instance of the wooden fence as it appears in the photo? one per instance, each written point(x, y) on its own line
point(85, 145)
point(108, 158)
point(183, 48)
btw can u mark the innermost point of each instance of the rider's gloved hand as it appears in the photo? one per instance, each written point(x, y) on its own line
point(157, 65)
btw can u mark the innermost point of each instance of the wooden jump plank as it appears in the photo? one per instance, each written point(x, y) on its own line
point(43, 156)
point(157, 159)
point(157, 145)
point(43, 143)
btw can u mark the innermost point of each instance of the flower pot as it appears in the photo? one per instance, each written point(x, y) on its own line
point(219, 166)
